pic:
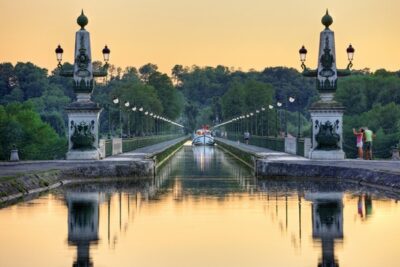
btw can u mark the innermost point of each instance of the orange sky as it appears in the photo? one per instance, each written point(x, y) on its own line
point(238, 33)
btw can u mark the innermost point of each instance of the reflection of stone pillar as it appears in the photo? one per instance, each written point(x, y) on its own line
point(83, 225)
point(327, 224)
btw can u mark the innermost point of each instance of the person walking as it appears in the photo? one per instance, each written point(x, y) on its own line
point(359, 143)
point(246, 137)
point(368, 136)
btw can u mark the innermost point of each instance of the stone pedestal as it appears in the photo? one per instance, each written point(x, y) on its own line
point(14, 155)
point(83, 127)
point(327, 126)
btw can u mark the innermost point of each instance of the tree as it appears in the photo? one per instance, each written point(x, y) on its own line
point(147, 70)
point(21, 126)
point(168, 95)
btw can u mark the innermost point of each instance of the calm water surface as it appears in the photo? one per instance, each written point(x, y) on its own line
point(203, 209)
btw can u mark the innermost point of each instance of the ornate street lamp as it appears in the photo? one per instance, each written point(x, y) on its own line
point(59, 52)
point(350, 56)
point(303, 56)
point(106, 54)
point(327, 114)
point(83, 114)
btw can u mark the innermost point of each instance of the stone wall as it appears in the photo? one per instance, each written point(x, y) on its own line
point(291, 145)
point(116, 146)
point(376, 178)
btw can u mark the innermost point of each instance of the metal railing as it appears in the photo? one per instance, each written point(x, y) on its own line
point(130, 144)
point(300, 147)
point(108, 144)
point(274, 143)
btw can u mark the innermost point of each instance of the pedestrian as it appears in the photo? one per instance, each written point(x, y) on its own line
point(246, 137)
point(368, 136)
point(359, 143)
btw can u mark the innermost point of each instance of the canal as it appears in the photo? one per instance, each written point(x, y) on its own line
point(204, 208)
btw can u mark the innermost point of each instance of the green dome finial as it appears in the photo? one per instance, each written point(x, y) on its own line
point(327, 20)
point(82, 20)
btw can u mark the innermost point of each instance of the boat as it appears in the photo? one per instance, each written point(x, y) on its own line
point(203, 137)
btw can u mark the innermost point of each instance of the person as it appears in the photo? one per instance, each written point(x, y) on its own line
point(359, 143)
point(368, 135)
point(246, 137)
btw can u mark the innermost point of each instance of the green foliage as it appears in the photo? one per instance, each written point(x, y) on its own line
point(218, 87)
point(21, 126)
point(170, 99)
point(383, 120)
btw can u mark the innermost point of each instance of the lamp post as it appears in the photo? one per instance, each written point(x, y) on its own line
point(116, 102)
point(262, 121)
point(327, 114)
point(127, 104)
point(270, 107)
point(291, 100)
point(141, 120)
point(83, 114)
point(251, 122)
point(257, 111)
point(278, 105)
point(134, 119)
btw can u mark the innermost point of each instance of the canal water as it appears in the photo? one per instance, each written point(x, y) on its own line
point(204, 209)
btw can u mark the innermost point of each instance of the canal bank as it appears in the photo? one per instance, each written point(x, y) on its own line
point(22, 179)
point(268, 163)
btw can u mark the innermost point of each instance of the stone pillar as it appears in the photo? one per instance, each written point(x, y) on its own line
point(327, 114)
point(327, 137)
point(83, 114)
point(83, 127)
point(14, 155)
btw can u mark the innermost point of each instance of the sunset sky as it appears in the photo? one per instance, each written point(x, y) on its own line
point(236, 33)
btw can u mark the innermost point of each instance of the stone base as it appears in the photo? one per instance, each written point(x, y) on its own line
point(83, 155)
point(327, 154)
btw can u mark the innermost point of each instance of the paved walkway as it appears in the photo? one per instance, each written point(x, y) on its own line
point(145, 152)
point(389, 166)
point(262, 152)
point(21, 167)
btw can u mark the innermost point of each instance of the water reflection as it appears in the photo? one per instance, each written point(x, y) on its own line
point(213, 173)
point(364, 210)
point(83, 225)
point(204, 209)
point(327, 224)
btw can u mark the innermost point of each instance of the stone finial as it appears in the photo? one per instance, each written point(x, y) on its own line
point(327, 20)
point(82, 20)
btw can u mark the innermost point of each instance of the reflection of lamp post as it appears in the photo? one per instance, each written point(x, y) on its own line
point(83, 144)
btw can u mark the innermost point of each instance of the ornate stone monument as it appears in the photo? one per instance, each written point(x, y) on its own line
point(83, 114)
point(327, 114)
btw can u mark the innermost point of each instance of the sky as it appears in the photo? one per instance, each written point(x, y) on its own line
point(245, 34)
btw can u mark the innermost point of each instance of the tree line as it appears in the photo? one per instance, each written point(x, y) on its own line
point(32, 100)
